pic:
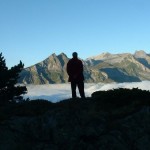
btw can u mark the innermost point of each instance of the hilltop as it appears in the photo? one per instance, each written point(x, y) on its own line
point(115, 119)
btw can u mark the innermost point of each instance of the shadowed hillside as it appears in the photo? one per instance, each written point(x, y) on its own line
point(117, 119)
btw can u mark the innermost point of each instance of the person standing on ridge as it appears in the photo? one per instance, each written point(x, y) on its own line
point(75, 73)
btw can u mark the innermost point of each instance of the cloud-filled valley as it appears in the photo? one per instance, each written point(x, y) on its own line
point(58, 92)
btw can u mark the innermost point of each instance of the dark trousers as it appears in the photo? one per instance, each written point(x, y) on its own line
point(80, 85)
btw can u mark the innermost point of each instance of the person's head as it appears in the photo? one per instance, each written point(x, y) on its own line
point(74, 54)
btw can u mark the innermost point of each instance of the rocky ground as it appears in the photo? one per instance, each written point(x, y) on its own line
point(113, 120)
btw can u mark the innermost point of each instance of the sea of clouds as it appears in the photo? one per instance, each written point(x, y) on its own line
point(58, 92)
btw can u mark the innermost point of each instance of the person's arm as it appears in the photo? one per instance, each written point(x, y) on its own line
point(68, 68)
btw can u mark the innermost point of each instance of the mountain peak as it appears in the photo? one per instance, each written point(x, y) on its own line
point(101, 56)
point(54, 55)
point(140, 54)
point(62, 54)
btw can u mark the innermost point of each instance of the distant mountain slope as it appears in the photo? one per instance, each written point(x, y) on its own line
point(51, 70)
point(105, 67)
point(143, 58)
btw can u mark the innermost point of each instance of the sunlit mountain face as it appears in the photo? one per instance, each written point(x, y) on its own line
point(105, 67)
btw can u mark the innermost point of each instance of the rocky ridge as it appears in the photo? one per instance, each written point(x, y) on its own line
point(105, 67)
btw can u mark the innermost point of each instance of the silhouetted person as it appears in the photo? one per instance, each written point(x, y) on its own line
point(75, 72)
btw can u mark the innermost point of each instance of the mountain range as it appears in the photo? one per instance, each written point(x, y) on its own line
point(106, 67)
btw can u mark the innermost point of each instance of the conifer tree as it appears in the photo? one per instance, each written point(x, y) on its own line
point(9, 90)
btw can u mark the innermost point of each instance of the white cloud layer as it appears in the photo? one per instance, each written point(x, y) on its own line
point(58, 92)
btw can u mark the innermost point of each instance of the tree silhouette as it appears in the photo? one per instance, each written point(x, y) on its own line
point(9, 90)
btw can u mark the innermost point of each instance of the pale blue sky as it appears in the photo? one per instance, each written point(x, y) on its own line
point(31, 30)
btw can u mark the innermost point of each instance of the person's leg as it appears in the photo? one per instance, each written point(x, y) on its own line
point(73, 88)
point(81, 89)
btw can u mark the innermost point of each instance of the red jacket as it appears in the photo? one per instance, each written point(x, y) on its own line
point(75, 70)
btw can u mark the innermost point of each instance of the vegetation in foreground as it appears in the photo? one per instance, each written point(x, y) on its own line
point(9, 90)
point(115, 119)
